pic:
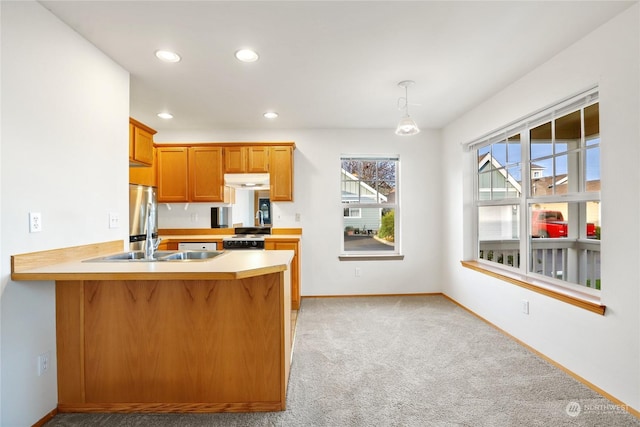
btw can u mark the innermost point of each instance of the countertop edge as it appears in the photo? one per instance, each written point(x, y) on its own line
point(68, 264)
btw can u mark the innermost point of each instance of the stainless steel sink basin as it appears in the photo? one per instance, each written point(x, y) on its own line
point(191, 255)
point(138, 256)
point(124, 256)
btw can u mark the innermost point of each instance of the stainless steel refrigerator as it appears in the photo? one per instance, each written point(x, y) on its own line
point(143, 210)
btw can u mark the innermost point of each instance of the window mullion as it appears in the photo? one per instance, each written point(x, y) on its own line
point(525, 142)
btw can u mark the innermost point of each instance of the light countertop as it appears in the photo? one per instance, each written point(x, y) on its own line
point(219, 237)
point(228, 265)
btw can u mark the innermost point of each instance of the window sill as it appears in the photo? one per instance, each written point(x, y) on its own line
point(367, 257)
point(581, 300)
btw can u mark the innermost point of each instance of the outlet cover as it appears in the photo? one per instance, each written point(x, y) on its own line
point(525, 306)
point(35, 222)
point(43, 363)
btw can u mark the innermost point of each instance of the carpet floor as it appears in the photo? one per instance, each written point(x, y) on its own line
point(405, 361)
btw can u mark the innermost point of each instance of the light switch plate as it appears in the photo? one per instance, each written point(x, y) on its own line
point(114, 220)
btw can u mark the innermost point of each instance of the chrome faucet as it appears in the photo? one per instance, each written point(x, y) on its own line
point(260, 215)
point(149, 245)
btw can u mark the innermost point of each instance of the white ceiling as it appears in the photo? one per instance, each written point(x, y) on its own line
point(325, 64)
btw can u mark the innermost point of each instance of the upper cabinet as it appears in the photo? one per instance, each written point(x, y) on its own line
point(173, 174)
point(246, 159)
point(195, 172)
point(281, 173)
point(191, 174)
point(140, 143)
point(206, 178)
point(142, 167)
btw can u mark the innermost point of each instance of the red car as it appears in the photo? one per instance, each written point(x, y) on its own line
point(552, 224)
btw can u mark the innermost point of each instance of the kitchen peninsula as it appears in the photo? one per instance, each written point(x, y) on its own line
point(193, 336)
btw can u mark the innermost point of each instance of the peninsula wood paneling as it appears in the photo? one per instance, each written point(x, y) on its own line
point(184, 341)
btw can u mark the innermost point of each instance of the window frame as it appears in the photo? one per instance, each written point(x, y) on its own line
point(526, 199)
point(394, 254)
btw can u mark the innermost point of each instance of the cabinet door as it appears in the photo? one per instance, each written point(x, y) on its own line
point(131, 136)
point(257, 159)
point(235, 159)
point(295, 268)
point(142, 146)
point(281, 173)
point(144, 175)
point(173, 176)
point(206, 180)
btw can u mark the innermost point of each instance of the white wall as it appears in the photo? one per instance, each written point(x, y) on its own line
point(317, 200)
point(64, 132)
point(605, 350)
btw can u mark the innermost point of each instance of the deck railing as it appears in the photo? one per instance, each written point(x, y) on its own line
point(571, 260)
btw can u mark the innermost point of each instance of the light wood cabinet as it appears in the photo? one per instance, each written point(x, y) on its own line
point(290, 245)
point(195, 173)
point(144, 175)
point(281, 173)
point(179, 345)
point(140, 143)
point(142, 154)
point(191, 174)
point(173, 174)
point(206, 180)
point(246, 159)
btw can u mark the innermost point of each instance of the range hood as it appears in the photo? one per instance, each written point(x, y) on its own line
point(247, 181)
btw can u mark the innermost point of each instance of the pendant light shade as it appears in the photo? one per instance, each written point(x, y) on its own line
point(406, 126)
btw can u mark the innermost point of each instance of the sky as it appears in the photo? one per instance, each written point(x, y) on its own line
point(542, 155)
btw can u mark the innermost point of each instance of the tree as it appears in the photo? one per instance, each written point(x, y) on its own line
point(387, 227)
point(378, 174)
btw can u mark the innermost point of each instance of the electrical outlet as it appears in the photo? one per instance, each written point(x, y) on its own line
point(525, 306)
point(114, 220)
point(35, 222)
point(297, 217)
point(358, 272)
point(43, 363)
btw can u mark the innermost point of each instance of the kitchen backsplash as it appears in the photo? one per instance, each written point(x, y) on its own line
point(185, 215)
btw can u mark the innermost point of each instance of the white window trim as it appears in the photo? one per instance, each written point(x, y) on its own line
point(521, 274)
point(396, 254)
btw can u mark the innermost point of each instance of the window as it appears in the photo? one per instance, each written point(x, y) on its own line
point(538, 194)
point(369, 195)
point(352, 213)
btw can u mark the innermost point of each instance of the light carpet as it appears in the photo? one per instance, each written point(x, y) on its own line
point(405, 361)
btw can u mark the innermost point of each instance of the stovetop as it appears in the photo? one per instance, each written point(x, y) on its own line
point(252, 230)
point(249, 233)
point(245, 237)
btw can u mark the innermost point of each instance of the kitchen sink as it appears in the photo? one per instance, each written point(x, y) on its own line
point(124, 256)
point(138, 256)
point(191, 255)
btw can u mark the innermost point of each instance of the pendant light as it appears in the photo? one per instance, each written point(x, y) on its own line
point(406, 126)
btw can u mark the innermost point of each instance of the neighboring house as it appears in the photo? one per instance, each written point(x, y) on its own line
point(498, 181)
point(356, 191)
point(494, 179)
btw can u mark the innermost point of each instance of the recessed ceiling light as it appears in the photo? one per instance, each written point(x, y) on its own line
point(247, 55)
point(270, 115)
point(165, 115)
point(167, 56)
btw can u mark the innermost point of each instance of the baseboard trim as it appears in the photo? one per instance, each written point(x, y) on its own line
point(420, 294)
point(42, 421)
